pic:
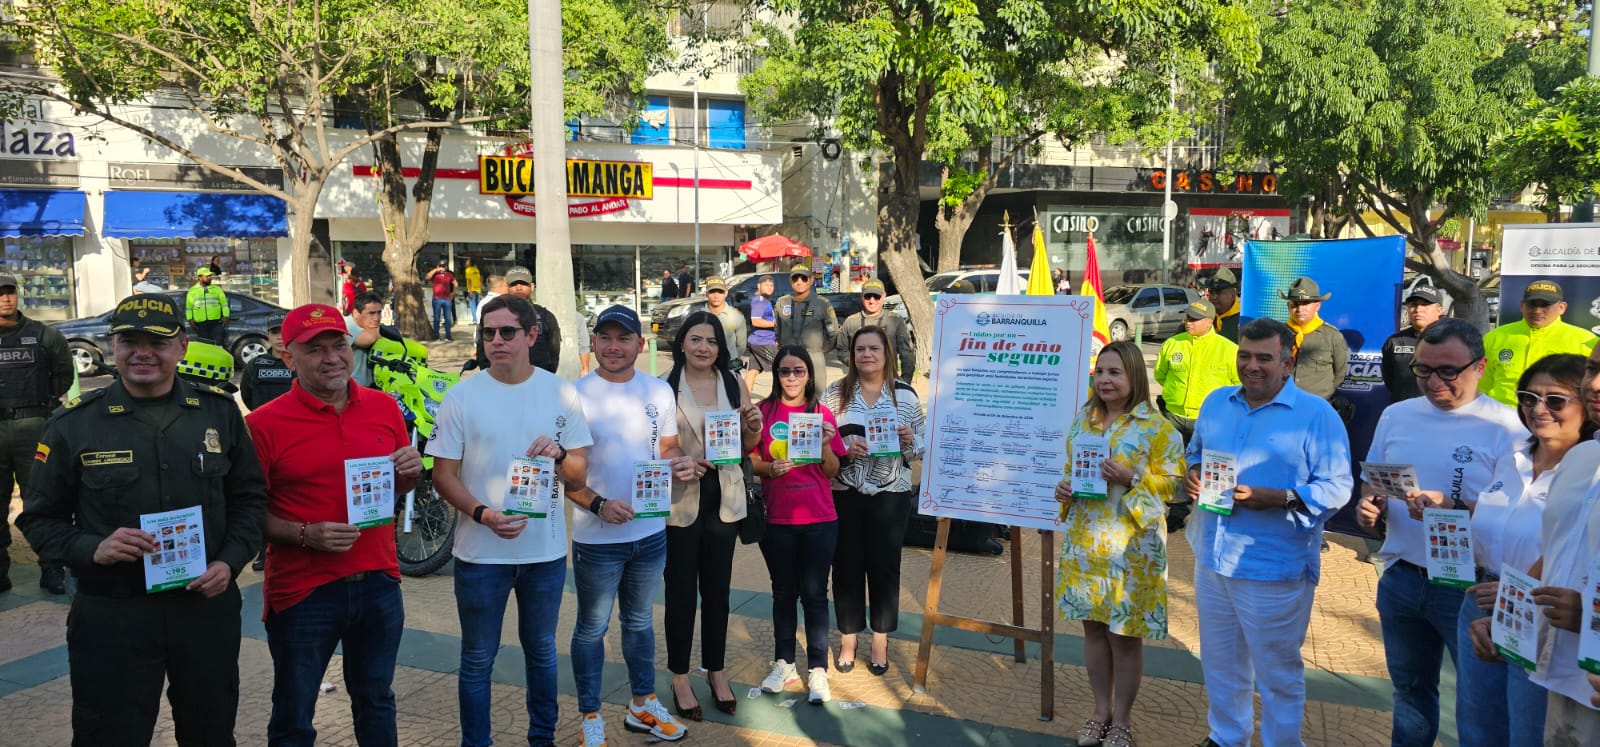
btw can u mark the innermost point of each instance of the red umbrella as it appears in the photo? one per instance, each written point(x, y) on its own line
point(772, 247)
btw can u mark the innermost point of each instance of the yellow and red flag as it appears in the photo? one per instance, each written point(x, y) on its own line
point(1091, 287)
point(1039, 282)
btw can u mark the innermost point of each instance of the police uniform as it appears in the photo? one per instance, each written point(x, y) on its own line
point(904, 354)
point(206, 307)
point(1227, 319)
point(1400, 348)
point(101, 464)
point(1189, 368)
point(810, 324)
point(1510, 348)
point(35, 370)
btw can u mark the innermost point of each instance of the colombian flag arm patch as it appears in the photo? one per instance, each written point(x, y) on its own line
point(41, 454)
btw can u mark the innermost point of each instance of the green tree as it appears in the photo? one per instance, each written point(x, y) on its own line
point(1393, 105)
point(1557, 148)
point(947, 80)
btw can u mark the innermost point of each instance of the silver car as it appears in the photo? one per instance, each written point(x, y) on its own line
point(1151, 311)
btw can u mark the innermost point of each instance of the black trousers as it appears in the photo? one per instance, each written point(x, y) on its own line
point(866, 562)
point(120, 649)
point(699, 565)
point(212, 331)
point(18, 440)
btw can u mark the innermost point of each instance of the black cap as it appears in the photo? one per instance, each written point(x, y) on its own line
point(8, 280)
point(1543, 290)
point(622, 315)
point(152, 313)
point(275, 321)
point(1425, 294)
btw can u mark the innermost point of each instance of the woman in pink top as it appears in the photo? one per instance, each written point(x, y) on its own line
point(802, 527)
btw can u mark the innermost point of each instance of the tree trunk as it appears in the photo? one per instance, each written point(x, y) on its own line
point(404, 236)
point(302, 213)
point(897, 248)
point(1467, 301)
point(952, 233)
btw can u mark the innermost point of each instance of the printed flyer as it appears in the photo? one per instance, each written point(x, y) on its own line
point(1219, 475)
point(1516, 629)
point(883, 434)
point(528, 486)
point(369, 491)
point(1449, 547)
point(1087, 454)
point(805, 437)
point(652, 489)
point(723, 433)
point(180, 555)
point(1393, 480)
point(1009, 375)
point(1589, 629)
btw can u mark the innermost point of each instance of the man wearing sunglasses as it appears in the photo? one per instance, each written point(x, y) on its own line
point(872, 313)
point(807, 320)
point(485, 424)
point(1452, 435)
point(1511, 348)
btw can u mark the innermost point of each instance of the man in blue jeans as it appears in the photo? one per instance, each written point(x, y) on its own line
point(509, 537)
point(443, 282)
point(329, 581)
point(618, 556)
point(1452, 435)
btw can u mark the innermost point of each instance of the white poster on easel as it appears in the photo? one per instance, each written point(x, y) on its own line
point(1009, 374)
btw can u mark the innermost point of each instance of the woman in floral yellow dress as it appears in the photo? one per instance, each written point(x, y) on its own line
point(1113, 569)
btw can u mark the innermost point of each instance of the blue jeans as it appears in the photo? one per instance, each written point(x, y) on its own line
point(443, 310)
point(799, 557)
point(367, 617)
point(472, 305)
point(481, 594)
point(1496, 704)
point(1419, 626)
point(624, 574)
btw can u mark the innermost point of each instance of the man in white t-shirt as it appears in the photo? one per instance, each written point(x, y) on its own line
point(485, 423)
point(1452, 435)
point(617, 557)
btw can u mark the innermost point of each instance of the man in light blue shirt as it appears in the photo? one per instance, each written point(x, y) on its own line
point(1257, 566)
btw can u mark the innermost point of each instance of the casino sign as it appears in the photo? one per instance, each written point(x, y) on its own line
point(611, 184)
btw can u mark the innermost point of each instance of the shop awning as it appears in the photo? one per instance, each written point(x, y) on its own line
point(194, 215)
point(41, 212)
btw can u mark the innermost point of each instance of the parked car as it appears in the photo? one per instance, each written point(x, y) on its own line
point(247, 332)
point(982, 280)
point(1152, 310)
point(669, 315)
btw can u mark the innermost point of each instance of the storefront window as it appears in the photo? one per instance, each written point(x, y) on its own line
point(43, 265)
point(249, 266)
point(1127, 241)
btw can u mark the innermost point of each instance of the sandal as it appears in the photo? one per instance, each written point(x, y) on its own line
point(1091, 733)
point(1119, 736)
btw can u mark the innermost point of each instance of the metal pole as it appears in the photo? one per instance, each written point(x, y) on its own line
point(1594, 39)
point(696, 273)
point(553, 265)
point(638, 284)
point(1166, 200)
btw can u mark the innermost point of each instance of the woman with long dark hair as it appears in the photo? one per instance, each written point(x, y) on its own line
point(1113, 569)
point(802, 526)
point(704, 524)
point(872, 495)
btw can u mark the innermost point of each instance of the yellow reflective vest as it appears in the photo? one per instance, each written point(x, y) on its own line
point(1509, 350)
point(1188, 368)
point(205, 303)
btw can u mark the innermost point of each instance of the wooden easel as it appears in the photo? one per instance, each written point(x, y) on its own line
point(1045, 635)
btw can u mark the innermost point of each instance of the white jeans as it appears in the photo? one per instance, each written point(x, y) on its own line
point(1250, 636)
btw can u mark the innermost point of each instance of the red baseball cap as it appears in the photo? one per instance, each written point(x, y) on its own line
point(310, 320)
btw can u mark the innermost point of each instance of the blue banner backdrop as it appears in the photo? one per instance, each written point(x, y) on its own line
point(1364, 276)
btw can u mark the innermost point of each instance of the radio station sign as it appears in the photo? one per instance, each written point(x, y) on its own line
point(615, 182)
point(1211, 182)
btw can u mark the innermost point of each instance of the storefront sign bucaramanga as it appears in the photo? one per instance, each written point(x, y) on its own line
point(615, 181)
point(38, 173)
point(1211, 182)
point(187, 177)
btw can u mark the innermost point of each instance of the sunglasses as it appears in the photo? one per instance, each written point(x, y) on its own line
point(1552, 402)
point(1445, 373)
point(792, 373)
point(798, 278)
point(870, 296)
point(505, 333)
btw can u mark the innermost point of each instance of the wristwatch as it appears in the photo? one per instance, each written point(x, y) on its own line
point(1292, 502)
point(477, 513)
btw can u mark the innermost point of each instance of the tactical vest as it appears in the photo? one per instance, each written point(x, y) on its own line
point(24, 367)
point(806, 325)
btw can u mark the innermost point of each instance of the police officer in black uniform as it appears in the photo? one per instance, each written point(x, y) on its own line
point(266, 376)
point(35, 370)
point(147, 444)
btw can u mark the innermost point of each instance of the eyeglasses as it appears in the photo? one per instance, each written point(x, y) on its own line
point(1552, 402)
point(871, 297)
point(1445, 373)
point(792, 373)
point(798, 278)
point(506, 333)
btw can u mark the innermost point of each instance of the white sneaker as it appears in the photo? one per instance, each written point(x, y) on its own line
point(783, 674)
point(652, 718)
point(594, 730)
point(819, 687)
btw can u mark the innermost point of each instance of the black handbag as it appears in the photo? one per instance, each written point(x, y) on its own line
point(753, 526)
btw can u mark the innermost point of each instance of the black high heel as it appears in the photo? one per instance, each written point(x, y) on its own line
point(729, 706)
point(692, 714)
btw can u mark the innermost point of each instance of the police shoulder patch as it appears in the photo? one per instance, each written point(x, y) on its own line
point(209, 389)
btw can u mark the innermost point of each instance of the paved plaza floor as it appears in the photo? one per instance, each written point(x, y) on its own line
point(977, 694)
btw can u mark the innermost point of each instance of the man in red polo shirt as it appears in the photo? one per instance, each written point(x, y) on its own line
point(335, 454)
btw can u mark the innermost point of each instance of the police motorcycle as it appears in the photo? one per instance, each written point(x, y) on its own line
point(425, 524)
